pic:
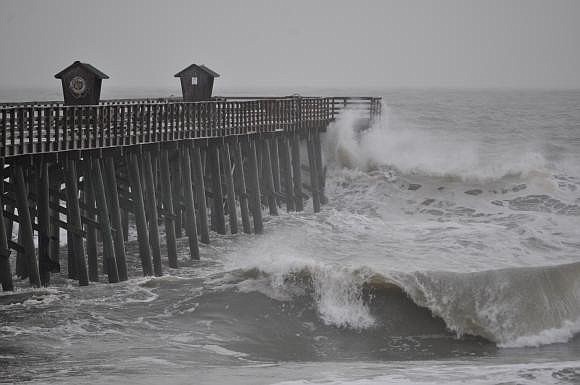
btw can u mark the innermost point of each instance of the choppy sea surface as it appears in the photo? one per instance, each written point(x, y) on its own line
point(449, 252)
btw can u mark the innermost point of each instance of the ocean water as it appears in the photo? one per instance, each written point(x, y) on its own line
point(449, 252)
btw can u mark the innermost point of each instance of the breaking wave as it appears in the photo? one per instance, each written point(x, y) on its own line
point(390, 141)
point(512, 307)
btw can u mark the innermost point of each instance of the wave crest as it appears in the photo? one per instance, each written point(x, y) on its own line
point(425, 151)
point(511, 307)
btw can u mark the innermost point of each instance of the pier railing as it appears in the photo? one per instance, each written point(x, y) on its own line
point(38, 129)
point(31, 128)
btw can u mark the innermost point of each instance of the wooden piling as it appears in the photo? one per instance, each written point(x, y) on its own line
point(21, 262)
point(109, 256)
point(268, 177)
point(319, 166)
point(125, 223)
point(116, 217)
point(153, 217)
point(240, 185)
point(230, 194)
point(43, 213)
point(189, 205)
point(177, 190)
point(286, 171)
point(54, 228)
point(197, 165)
point(275, 166)
point(297, 172)
point(91, 230)
point(253, 185)
point(213, 155)
point(74, 222)
point(140, 219)
point(70, 256)
point(170, 236)
point(314, 178)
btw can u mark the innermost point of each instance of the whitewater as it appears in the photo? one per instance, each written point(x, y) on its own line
point(449, 252)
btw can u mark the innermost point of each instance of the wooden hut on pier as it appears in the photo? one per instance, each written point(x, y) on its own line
point(196, 82)
point(81, 84)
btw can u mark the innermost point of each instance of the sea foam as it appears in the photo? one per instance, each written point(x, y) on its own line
point(413, 149)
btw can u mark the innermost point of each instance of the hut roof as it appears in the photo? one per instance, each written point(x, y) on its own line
point(86, 66)
point(198, 68)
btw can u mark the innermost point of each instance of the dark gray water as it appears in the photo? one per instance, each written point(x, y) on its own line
point(449, 253)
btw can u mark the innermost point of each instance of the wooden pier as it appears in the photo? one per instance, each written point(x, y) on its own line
point(191, 167)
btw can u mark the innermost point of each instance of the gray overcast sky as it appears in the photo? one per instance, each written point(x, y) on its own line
point(406, 43)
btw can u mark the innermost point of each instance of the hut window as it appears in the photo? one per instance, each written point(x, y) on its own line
point(194, 80)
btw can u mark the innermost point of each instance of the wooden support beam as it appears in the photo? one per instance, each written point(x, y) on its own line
point(56, 209)
point(218, 215)
point(314, 178)
point(21, 262)
point(177, 190)
point(197, 165)
point(253, 186)
point(16, 246)
point(189, 204)
point(319, 166)
point(141, 221)
point(91, 231)
point(125, 224)
point(275, 165)
point(296, 172)
point(152, 210)
point(268, 178)
point(43, 213)
point(116, 217)
point(74, 220)
point(57, 196)
point(230, 193)
point(286, 171)
point(170, 236)
point(123, 185)
point(27, 235)
point(55, 230)
point(240, 184)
